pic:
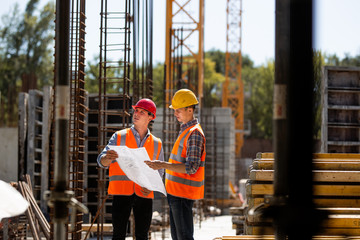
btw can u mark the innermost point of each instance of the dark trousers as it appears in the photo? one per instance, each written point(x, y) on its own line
point(181, 218)
point(121, 209)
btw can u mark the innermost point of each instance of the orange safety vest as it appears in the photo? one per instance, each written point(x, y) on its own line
point(190, 186)
point(119, 183)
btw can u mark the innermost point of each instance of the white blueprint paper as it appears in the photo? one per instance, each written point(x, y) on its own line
point(131, 161)
point(12, 203)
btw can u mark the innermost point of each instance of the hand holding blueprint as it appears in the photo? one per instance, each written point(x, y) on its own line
point(131, 161)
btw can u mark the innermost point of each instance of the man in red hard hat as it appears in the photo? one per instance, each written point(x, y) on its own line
point(128, 195)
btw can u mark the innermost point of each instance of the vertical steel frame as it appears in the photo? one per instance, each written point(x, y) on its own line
point(77, 106)
point(114, 82)
point(125, 73)
point(233, 88)
point(184, 46)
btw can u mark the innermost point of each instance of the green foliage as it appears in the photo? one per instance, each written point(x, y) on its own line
point(92, 76)
point(212, 84)
point(158, 84)
point(318, 63)
point(25, 48)
point(218, 57)
point(259, 85)
point(350, 61)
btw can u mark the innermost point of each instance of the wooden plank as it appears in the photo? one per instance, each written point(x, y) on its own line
point(343, 210)
point(262, 164)
point(342, 221)
point(319, 202)
point(319, 175)
point(265, 155)
point(237, 210)
point(272, 237)
point(248, 237)
point(340, 231)
point(333, 156)
point(261, 175)
point(318, 164)
point(259, 189)
point(107, 227)
point(319, 190)
point(22, 126)
point(333, 221)
point(45, 144)
point(31, 135)
point(267, 230)
point(259, 230)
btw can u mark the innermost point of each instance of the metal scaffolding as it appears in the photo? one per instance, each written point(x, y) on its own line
point(125, 76)
point(233, 89)
point(184, 56)
point(114, 101)
point(77, 107)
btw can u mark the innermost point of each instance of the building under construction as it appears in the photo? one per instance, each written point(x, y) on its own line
point(64, 116)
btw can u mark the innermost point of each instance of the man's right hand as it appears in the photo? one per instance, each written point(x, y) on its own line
point(107, 158)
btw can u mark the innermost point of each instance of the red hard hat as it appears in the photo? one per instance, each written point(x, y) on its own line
point(146, 104)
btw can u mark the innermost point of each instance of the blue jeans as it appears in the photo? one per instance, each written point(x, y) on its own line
point(181, 218)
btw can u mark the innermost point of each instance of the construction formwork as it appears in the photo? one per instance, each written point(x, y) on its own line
point(340, 110)
point(34, 140)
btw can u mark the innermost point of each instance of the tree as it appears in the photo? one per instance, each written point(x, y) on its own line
point(350, 61)
point(259, 83)
point(92, 76)
point(218, 57)
point(211, 88)
point(318, 63)
point(25, 50)
point(212, 84)
point(158, 81)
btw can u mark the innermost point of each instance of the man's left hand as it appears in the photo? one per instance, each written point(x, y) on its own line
point(156, 164)
point(145, 191)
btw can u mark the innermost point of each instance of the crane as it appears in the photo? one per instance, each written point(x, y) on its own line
point(233, 88)
point(184, 60)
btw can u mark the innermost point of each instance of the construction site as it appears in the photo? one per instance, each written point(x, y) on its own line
point(289, 188)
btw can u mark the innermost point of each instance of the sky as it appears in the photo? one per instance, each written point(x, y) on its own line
point(336, 27)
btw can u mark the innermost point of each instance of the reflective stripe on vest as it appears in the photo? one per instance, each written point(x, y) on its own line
point(119, 183)
point(185, 181)
point(190, 186)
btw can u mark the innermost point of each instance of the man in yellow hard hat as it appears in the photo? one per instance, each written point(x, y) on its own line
point(185, 170)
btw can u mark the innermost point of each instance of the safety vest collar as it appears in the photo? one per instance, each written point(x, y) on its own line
point(177, 156)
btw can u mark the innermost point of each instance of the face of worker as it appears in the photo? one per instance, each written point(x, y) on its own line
point(184, 115)
point(141, 117)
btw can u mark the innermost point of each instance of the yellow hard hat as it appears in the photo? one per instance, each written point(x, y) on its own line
point(183, 98)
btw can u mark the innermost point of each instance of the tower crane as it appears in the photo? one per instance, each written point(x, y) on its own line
point(233, 89)
point(184, 60)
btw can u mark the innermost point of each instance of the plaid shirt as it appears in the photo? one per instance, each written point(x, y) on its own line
point(195, 147)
